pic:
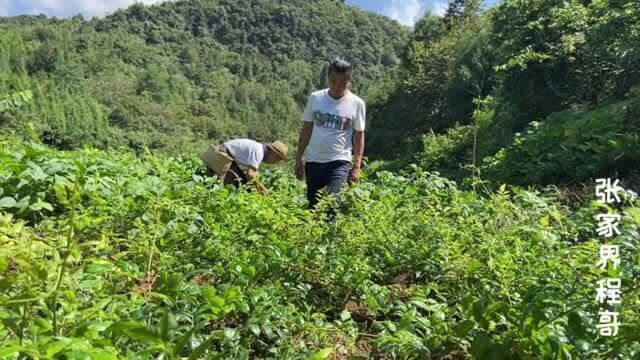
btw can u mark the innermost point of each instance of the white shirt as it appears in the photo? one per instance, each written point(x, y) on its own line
point(246, 152)
point(334, 123)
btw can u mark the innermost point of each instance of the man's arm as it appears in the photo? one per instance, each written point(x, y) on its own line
point(303, 142)
point(252, 174)
point(358, 152)
point(252, 179)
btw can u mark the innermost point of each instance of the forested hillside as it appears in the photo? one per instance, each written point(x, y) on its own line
point(448, 95)
point(180, 74)
point(568, 66)
point(133, 253)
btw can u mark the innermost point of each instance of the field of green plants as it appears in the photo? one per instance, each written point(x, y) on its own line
point(106, 255)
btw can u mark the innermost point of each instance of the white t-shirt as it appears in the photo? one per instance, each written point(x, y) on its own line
point(334, 123)
point(246, 152)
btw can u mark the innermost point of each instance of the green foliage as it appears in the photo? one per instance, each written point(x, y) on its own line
point(572, 146)
point(14, 101)
point(473, 76)
point(445, 152)
point(109, 255)
point(558, 54)
point(182, 74)
point(462, 10)
point(444, 67)
point(539, 60)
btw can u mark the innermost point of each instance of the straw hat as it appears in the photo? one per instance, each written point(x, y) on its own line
point(279, 148)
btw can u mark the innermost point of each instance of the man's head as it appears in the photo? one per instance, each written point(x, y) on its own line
point(276, 151)
point(339, 77)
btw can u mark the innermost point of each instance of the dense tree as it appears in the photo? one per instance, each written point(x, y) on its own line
point(180, 74)
point(462, 10)
point(468, 83)
point(430, 75)
point(455, 90)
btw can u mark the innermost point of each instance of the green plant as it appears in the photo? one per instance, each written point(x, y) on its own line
point(109, 255)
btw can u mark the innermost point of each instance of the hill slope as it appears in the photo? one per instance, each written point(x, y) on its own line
point(182, 72)
point(501, 71)
point(163, 261)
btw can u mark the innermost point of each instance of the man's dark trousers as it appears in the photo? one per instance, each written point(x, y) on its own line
point(331, 175)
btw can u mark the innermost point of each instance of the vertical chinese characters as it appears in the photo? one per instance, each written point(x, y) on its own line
point(609, 290)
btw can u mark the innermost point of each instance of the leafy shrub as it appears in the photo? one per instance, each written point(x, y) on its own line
point(448, 152)
point(571, 145)
point(111, 255)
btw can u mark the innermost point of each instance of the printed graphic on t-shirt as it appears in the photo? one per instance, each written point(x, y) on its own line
point(330, 121)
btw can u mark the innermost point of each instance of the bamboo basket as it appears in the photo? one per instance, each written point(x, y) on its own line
point(216, 159)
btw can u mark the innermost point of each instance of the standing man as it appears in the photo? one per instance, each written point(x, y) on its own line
point(333, 128)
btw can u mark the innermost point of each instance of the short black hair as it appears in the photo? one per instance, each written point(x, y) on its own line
point(341, 66)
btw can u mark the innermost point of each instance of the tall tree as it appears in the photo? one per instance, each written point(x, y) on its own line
point(462, 10)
